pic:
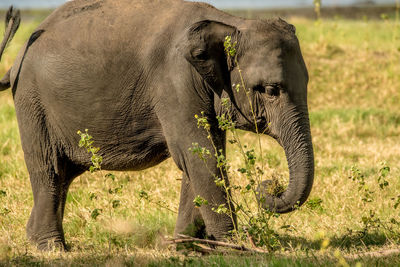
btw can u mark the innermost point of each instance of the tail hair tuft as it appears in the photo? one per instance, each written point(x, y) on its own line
point(13, 15)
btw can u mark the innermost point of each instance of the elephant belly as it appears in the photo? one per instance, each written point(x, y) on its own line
point(126, 142)
point(135, 156)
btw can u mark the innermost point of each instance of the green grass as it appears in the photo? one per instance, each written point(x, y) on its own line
point(354, 96)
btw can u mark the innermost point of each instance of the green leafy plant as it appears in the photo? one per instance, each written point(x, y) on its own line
point(359, 177)
point(86, 142)
point(315, 204)
point(396, 201)
point(112, 187)
point(253, 219)
point(372, 221)
point(144, 196)
point(383, 172)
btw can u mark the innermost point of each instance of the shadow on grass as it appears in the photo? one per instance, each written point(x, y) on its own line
point(137, 260)
point(305, 253)
point(156, 259)
point(351, 240)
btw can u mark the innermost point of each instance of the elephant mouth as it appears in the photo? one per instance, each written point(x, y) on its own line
point(262, 124)
point(264, 128)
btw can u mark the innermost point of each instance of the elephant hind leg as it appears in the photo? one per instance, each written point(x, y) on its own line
point(50, 186)
point(189, 222)
point(51, 173)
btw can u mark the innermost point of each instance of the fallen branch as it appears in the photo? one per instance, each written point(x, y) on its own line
point(251, 240)
point(204, 249)
point(188, 239)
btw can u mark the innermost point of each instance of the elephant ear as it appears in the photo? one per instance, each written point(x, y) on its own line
point(203, 47)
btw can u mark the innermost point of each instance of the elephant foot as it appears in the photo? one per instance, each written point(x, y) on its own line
point(50, 241)
point(49, 244)
point(52, 245)
point(195, 229)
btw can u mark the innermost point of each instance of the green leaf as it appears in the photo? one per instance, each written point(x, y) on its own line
point(110, 176)
point(237, 88)
point(92, 196)
point(221, 209)
point(116, 203)
point(95, 213)
point(242, 170)
point(143, 194)
point(199, 201)
point(5, 211)
point(219, 182)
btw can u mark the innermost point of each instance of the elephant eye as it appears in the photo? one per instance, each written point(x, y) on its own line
point(272, 90)
point(200, 54)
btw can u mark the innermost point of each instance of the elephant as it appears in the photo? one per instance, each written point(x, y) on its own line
point(136, 73)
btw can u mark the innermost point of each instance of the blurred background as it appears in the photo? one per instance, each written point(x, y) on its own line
point(218, 3)
point(354, 9)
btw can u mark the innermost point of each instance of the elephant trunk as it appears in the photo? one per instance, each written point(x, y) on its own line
point(295, 137)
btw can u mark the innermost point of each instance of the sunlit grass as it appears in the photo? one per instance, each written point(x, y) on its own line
point(354, 96)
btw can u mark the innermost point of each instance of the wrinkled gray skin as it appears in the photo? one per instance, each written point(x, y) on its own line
point(135, 73)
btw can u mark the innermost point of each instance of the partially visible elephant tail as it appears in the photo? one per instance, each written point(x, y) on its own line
point(13, 19)
point(5, 82)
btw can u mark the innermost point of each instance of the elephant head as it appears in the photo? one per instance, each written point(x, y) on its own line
point(269, 56)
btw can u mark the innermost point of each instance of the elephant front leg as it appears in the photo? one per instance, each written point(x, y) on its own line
point(218, 225)
point(199, 180)
point(199, 175)
point(189, 222)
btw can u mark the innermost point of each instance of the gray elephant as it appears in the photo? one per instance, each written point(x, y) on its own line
point(136, 73)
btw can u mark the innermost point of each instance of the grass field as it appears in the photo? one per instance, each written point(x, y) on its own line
point(354, 102)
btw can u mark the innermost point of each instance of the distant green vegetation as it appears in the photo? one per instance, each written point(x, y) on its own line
point(354, 96)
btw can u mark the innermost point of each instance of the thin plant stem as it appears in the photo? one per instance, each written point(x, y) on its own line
point(258, 178)
point(252, 111)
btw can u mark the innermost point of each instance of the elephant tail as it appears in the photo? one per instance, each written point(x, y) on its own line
point(5, 82)
point(13, 20)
